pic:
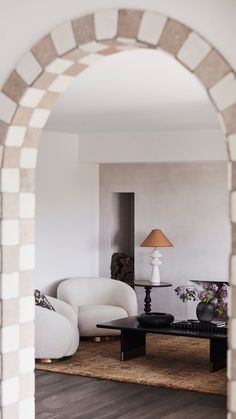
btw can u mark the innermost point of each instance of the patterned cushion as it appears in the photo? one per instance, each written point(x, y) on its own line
point(42, 301)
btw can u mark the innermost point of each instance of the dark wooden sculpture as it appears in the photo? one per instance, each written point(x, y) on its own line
point(122, 268)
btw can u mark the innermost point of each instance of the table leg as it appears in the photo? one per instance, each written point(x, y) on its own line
point(218, 354)
point(133, 343)
point(147, 300)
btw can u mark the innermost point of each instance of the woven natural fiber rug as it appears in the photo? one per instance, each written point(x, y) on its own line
point(174, 362)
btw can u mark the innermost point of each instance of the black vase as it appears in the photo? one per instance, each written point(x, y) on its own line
point(205, 312)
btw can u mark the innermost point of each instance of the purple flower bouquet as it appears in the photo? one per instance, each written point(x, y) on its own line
point(216, 295)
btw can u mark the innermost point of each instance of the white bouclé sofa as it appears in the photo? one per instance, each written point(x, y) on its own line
point(56, 332)
point(98, 300)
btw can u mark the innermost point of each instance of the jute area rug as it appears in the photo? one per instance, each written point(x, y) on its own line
point(174, 362)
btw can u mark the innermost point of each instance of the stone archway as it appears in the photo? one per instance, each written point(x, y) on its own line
point(25, 103)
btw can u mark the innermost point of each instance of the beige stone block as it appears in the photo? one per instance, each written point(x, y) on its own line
point(233, 237)
point(84, 29)
point(232, 146)
point(10, 259)
point(233, 207)
point(129, 22)
point(44, 81)
point(110, 51)
point(8, 108)
point(26, 283)
point(212, 69)
point(27, 385)
point(106, 24)
point(193, 51)
point(27, 231)
point(229, 119)
point(63, 38)
point(50, 99)
point(27, 180)
point(10, 365)
point(29, 68)
point(232, 397)
point(3, 132)
point(27, 335)
point(11, 157)
point(173, 36)
point(151, 28)
point(10, 205)
point(233, 364)
point(10, 311)
point(32, 137)
point(45, 51)
point(14, 87)
point(233, 270)
point(75, 55)
point(22, 116)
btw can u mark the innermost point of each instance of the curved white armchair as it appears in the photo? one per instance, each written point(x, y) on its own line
point(56, 332)
point(98, 300)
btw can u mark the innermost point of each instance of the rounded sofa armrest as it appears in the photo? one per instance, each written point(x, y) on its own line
point(124, 296)
point(52, 333)
point(65, 309)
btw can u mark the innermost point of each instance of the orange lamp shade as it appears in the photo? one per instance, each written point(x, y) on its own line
point(156, 239)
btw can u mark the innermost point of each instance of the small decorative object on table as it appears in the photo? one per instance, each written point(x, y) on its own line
point(155, 319)
point(213, 300)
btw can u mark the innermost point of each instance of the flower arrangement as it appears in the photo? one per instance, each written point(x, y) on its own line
point(217, 295)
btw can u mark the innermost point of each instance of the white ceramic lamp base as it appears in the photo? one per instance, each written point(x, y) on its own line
point(155, 262)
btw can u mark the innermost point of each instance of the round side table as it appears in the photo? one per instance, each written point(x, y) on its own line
point(148, 287)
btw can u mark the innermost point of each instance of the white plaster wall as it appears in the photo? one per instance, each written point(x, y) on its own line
point(66, 212)
point(189, 202)
point(160, 146)
point(23, 23)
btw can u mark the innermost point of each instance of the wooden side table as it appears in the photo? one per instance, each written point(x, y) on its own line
point(148, 287)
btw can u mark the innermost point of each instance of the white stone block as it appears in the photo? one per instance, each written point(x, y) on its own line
point(233, 396)
point(151, 28)
point(26, 309)
point(106, 24)
point(232, 146)
point(233, 207)
point(39, 118)
point(91, 59)
point(28, 158)
point(29, 68)
point(15, 136)
point(233, 269)
point(7, 108)
point(193, 51)
point(63, 38)
point(93, 47)
point(10, 390)
point(10, 285)
point(223, 93)
point(10, 235)
point(60, 83)
point(27, 205)
point(27, 257)
point(233, 333)
point(32, 97)
point(27, 409)
point(10, 180)
point(10, 338)
point(59, 66)
point(27, 363)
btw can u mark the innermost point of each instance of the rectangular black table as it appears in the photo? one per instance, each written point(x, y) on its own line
point(133, 339)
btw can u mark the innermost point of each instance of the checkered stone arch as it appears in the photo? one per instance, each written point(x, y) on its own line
point(26, 100)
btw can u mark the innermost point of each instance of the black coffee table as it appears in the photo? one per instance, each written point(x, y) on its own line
point(133, 339)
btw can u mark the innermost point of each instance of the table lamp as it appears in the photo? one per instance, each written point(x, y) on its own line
point(156, 239)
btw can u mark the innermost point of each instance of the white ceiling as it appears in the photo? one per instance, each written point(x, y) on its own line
point(136, 90)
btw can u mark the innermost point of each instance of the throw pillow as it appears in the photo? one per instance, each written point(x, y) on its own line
point(42, 301)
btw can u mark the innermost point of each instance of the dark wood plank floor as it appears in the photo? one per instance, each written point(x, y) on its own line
point(60, 396)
